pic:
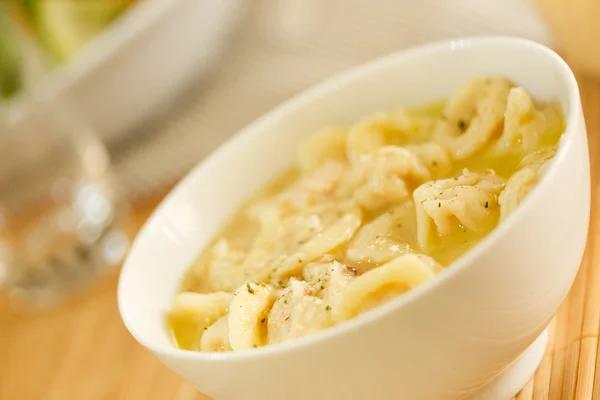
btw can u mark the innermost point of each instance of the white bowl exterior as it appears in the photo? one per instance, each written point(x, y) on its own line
point(443, 339)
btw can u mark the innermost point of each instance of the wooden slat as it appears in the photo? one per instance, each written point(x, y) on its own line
point(571, 369)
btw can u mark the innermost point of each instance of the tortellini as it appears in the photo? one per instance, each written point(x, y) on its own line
point(225, 271)
point(521, 182)
point(247, 315)
point(326, 145)
point(434, 156)
point(336, 235)
point(468, 201)
point(290, 242)
point(368, 212)
point(473, 115)
point(385, 237)
point(387, 175)
point(384, 283)
point(386, 128)
point(315, 189)
point(296, 313)
point(526, 126)
point(216, 337)
point(192, 313)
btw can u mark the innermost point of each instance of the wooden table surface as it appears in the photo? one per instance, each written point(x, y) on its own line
point(80, 350)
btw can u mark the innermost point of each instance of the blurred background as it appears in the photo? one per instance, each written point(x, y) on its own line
point(105, 104)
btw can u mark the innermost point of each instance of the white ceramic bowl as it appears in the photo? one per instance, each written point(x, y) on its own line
point(137, 65)
point(443, 340)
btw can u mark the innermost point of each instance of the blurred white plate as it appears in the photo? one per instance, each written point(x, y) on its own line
point(142, 60)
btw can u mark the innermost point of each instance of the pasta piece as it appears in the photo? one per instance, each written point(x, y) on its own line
point(434, 156)
point(416, 128)
point(283, 236)
point(216, 336)
point(386, 128)
point(336, 235)
point(327, 144)
point(538, 159)
point(304, 306)
point(195, 280)
point(327, 277)
point(524, 124)
point(315, 189)
point(248, 314)
point(473, 114)
point(318, 271)
point(263, 212)
point(271, 246)
point(384, 283)
point(338, 277)
point(193, 312)
point(296, 313)
point(384, 238)
point(368, 135)
point(386, 176)
point(518, 186)
point(465, 202)
point(461, 106)
point(225, 271)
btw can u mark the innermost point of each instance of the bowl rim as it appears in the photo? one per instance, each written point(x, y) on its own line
point(446, 274)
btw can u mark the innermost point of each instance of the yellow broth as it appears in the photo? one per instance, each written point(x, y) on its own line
point(241, 230)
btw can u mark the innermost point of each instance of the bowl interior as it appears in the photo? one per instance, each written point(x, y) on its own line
point(205, 199)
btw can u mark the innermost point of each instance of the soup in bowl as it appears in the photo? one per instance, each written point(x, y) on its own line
point(437, 257)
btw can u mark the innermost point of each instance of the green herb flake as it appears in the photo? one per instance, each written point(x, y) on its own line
point(328, 308)
point(250, 290)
